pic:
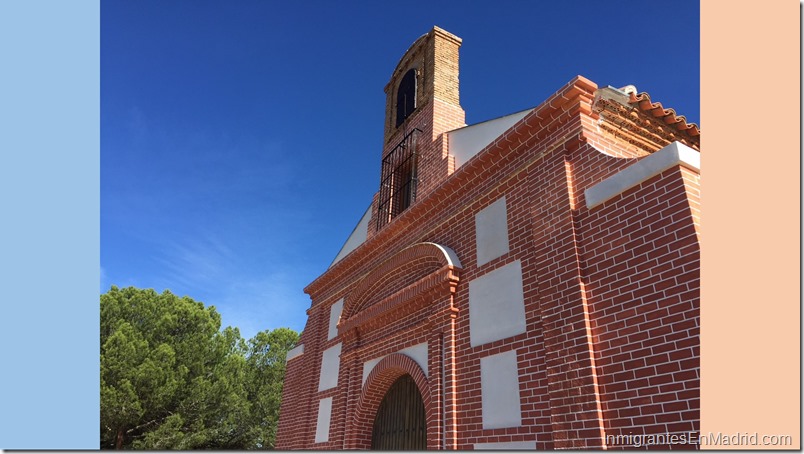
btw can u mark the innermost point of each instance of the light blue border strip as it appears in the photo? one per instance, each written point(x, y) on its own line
point(49, 207)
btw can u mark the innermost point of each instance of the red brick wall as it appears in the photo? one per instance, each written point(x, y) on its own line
point(611, 296)
point(643, 288)
point(299, 405)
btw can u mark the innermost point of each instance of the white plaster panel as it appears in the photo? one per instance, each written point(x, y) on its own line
point(368, 366)
point(499, 387)
point(418, 353)
point(491, 232)
point(496, 305)
point(507, 446)
point(334, 315)
point(296, 351)
point(670, 156)
point(330, 364)
point(322, 423)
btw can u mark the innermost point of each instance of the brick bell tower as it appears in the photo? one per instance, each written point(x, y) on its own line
point(422, 103)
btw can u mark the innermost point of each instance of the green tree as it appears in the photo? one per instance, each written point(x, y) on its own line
point(266, 365)
point(172, 379)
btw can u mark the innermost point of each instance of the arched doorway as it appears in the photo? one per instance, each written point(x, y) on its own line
point(411, 296)
point(400, 423)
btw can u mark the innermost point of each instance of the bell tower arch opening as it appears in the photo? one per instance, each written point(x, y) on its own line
point(422, 103)
point(406, 96)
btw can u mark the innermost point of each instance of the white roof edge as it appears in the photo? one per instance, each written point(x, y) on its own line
point(466, 142)
point(356, 238)
point(518, 112)
point(670, 156)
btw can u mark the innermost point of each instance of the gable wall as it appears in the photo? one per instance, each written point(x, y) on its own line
point(575, 295)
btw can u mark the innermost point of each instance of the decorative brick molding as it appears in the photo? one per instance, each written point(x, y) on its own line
point(411, 272)
point(636, 120)
point(384, 374)
point(409, 298)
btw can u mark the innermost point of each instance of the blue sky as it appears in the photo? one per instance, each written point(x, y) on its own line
point(240, 141)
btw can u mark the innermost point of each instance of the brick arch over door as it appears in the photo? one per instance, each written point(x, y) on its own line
point(423, 264)
point(384, 374)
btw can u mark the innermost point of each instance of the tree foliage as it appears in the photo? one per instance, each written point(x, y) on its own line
point(172, 379)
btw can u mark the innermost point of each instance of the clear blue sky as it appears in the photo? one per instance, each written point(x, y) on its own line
point(240, 141)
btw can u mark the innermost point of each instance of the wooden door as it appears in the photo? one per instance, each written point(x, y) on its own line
point(400, 423)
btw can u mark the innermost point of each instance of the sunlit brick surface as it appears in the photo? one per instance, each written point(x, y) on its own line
point(611, 294)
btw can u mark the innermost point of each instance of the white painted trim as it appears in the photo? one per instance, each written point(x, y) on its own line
point(668, 157)
point(295, 352)
point(507, 446)
point(452, 257)
point(356, 238)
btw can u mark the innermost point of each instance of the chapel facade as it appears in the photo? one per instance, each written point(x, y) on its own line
point(529, 282)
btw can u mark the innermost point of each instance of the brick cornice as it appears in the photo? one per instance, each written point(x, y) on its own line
point(409, 298)
point(407, 257)
point(440, 32)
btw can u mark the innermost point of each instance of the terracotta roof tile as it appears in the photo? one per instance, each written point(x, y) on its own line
point(643, 102)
